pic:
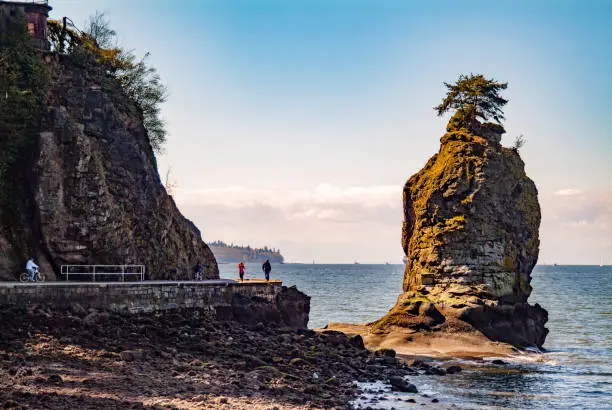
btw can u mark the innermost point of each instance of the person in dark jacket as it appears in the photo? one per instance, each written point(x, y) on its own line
point(266, 267)
point(197, 271)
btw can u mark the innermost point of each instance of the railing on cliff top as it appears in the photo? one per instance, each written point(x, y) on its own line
point(103, 270)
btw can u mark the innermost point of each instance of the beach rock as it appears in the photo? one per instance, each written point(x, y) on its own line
point(290, 308)
point(334, 337)
point(294, 307)
point(78, 310)
point(471, 236)
point(437, 371)
point(401, 385)
point(356, 341)
point(55, 378)
point(453, 369)
point(91, 192)
point(132, 355)
point(385, 352)
point(417, 363)
point(259, 327)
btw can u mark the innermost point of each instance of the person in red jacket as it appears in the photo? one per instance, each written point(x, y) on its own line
point(241, 271)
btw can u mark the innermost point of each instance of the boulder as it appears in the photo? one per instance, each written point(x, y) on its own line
point(132, 355)
point(294, 307)
point(400, 384)
point(385, 352)
point(290, 308)
point(356, 341)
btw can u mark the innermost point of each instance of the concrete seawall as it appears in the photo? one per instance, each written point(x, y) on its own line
point(227, 300)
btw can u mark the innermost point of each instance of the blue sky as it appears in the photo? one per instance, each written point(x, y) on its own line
point(295, 123)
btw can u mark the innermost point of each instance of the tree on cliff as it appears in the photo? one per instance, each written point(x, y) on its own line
point(476, 97)
point(98, 27)
point(138, 80)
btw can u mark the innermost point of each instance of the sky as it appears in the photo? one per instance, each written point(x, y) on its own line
point(295, 124)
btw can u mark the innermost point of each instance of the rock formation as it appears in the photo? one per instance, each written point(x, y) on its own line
point(290, 308)
point(471, 220)
point(91, 193)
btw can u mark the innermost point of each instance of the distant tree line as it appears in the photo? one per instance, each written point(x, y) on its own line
point(225, 252)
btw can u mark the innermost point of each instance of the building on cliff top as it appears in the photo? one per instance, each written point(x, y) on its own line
point(36, 13)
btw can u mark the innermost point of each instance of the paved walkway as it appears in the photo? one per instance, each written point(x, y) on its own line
point(144, 282)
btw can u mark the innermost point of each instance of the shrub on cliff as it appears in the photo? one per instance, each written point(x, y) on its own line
point(518, 143)
point(476, 97)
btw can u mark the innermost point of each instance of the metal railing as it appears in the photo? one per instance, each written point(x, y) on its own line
point(103, 270)
point(43, 2)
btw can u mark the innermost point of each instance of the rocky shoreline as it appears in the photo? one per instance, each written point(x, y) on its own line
point(92, 359)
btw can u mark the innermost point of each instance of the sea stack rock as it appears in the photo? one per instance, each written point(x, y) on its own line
point(90, 192)
point(470, 234)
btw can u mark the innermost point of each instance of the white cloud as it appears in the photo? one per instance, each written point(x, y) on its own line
point(576, 226)
point(568, 192)
point(324, 202)
point(341, 223)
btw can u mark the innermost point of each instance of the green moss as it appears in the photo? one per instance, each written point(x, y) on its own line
point(457, 122)
point(297, 361)
point(271, 369)
point(403, 313)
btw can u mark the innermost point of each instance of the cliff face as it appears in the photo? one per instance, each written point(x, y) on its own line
point(91, 190)
point(471, 220)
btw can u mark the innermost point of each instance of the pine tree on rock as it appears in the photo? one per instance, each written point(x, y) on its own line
point(476, 97)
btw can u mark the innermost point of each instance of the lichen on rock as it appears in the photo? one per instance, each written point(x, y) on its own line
point(470, 234)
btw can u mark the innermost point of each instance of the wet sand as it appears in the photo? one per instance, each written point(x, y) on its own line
point(427, 344)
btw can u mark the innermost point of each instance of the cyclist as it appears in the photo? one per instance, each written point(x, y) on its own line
point(32, 268)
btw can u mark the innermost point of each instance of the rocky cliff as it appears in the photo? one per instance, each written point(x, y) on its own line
point(471, 220)
point(89, 191)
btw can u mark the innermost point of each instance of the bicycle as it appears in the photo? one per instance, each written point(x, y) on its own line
point(38, 276)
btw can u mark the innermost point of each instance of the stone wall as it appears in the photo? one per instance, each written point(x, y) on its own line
point(246, 302)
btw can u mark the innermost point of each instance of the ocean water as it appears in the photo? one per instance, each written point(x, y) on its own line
point(575, 371)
